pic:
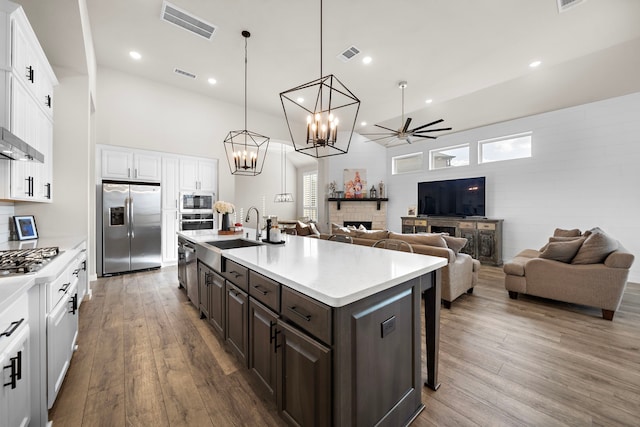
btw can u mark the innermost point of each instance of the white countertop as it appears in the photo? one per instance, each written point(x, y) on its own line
point(334, 273)
point(14, 286)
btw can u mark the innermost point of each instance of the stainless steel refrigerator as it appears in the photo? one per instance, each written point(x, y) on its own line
point(131, 227)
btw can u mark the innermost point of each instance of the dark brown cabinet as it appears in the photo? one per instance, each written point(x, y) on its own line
point(203, 289)
point(304, 378)
point(216, 302)
point(236, 331)
point(262, 350)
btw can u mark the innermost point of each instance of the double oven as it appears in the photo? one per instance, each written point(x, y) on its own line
point(196, 210)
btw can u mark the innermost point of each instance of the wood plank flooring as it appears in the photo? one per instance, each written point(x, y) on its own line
point(146, 359)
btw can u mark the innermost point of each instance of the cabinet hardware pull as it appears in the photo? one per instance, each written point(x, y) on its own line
point(206, 278)
point(47, 101)
point(84, 265)
point(275, 340)
point(235, 273)
point(12, 328)
point(74, 304)
point(30, 74)
point(13, 376)
point(64, 287)
point(260, 289)
point(48, 185)
point(294, 309)
point(19, 367)
point(75, 272)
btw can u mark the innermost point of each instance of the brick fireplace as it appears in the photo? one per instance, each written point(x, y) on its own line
point(359, 211)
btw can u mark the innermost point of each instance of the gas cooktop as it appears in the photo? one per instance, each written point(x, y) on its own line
point(24, 261)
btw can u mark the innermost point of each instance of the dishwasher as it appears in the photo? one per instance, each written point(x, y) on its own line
point(188, 269)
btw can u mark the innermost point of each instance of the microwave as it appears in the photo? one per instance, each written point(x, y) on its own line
point(196, 202)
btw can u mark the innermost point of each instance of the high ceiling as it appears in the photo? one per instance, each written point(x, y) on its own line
point(470, 57)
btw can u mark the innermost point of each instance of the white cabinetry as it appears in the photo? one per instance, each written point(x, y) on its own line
point(198, 174)
point(169, 236)
point(28, 110)
point(170, 195)
point(130, 165)
point(15, 397)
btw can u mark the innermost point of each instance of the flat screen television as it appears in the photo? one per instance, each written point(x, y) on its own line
point(454, 197)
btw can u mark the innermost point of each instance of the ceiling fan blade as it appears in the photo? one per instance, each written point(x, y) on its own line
point(389, 129)
point(427, 125)
point(424, 136)
point(381, 133)
point(406, 125)
point(432, 130)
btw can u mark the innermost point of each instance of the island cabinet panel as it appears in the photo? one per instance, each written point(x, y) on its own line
point(236, 273)
point(236, 327)
point(262, 355)
point(216, 302)
point(304, 378)
point(265, 290)
point(309, 314)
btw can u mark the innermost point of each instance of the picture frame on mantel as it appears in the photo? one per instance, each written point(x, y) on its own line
point(25, 227)
point(355, 184)
point(412, 211)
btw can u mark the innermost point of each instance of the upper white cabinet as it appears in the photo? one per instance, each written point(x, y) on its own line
point(131, 165)
point(198, 174)
point(27, 112)
point(169, 184)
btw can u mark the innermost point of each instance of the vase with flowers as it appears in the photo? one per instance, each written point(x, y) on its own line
point(225, 208)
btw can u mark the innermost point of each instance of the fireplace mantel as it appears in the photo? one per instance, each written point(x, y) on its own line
point(377, 200)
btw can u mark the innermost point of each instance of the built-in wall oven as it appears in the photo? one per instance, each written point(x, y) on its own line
point(197, 202)
point(199, 221)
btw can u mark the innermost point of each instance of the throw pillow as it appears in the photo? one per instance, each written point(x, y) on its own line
point(337, 229)
point(372, 234)
point(455, 243)
point(362, 228)
point(302, 229)
point(562, 251)
point(314, 229)
point(595, 249)
point(559, 232)
point(560, 239)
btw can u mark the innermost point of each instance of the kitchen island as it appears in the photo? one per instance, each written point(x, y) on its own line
point(332, 330)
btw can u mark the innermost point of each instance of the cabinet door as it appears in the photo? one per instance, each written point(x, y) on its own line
point(169, 236)
point(262, 357)
point(217, 303)
point(116, 164)
point(147, 167)
point(207, 175)
point(486, 246)
point(470, 247)
point(188, 174)
point(24, 127)
point(43, 188)
point(15, 398)
point(21, 56)
point(303, 378)
point(170, 182)
point(236, 321)
point(204, 274)
point(60, 342)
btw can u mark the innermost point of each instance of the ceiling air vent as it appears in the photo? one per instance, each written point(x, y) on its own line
point(564, 5)
point(184, 73)
point(185, 20)
point(349, 54)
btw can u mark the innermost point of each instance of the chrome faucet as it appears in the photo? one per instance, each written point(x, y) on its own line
point(258, 233)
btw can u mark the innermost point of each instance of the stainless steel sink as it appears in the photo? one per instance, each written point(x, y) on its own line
point(233, 243)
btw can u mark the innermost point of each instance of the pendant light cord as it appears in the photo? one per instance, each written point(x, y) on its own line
point(245, 86)
point(321, 42)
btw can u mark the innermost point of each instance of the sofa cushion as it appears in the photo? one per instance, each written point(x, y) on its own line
point(372, 234)
point(429, 239)
point(559, 232)
point(455, 243)
point(515, 267)
point(595, 249)
point(562, 251)
point(337, 229)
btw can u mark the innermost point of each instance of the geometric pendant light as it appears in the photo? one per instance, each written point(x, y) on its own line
point(246, 150)
point(321, 114)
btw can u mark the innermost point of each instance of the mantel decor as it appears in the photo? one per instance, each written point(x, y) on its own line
point(339, 200)
point(246, 150)
point(328, 106)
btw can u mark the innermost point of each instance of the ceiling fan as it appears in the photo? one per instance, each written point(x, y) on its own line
point(404, 133)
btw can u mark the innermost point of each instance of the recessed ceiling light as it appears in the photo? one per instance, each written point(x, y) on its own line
point(366, 60)
point(300, 99)
point(135, 55)
point(212, 81)
point(363, 123)
point(429, 101)
point(534, 64)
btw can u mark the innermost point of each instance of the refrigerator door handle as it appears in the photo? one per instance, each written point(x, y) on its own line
point(131, 224)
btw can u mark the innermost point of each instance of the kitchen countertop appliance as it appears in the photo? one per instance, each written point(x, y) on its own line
point(131, 227)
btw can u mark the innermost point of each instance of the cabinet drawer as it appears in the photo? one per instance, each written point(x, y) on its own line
point(420, 222)
point(466, 225)
point(16, 315)
point(310, 315)
point(237, 274)
point(265, 290)
point(407, 222)
point(486, 226)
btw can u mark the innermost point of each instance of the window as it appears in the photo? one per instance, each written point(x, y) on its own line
point(448, 157)
point(406, 163)
point(505, 148)
point(310, 195)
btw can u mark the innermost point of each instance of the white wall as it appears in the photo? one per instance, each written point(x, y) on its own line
point(6, 214)
point(583, 173)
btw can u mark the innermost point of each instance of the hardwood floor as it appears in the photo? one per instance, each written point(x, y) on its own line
point(146, 359)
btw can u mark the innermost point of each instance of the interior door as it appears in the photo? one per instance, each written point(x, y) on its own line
point(146, 222)
point(115, 228)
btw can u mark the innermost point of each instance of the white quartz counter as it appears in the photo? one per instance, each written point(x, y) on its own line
point(334, 273)
point(14, 286)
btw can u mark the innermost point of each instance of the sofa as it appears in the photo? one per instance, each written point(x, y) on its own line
point(459, 276)
point(589, 268)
